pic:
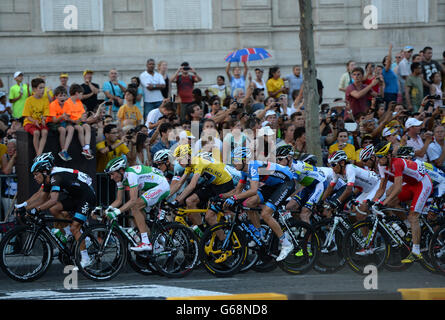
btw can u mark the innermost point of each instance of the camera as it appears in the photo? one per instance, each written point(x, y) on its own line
point(333, 117)
point(238, 104)
point(435, 97)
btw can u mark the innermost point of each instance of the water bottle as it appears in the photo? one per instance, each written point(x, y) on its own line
point(255, 231)
point(162, 214)
point(59, 234)
point(398, 229)
point(134, 235)
point(198, 231)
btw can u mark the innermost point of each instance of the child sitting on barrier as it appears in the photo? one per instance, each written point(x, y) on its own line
point(74, 108)
point(58, 121)
point(35, 111)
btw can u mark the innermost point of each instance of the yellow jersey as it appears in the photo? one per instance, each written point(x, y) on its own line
point(214, 172)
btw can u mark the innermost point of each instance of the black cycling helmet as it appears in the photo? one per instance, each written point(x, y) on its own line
point(383, 148)
point(284, 151)
point(405, 152)
point(308, 158)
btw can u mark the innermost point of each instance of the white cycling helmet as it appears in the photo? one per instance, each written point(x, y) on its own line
point(241, 153)
point(337, 156)
point(366, 153)
point(162, 156)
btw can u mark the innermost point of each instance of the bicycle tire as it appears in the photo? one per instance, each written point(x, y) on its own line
point(357, 263)
point(425, 240)
point(115, 253)
point(175, 250)
point(436, 250)
point(394, 262)
point(305, 252)
point(234, 256)
point(330, 259)
point(14, 240)
point(140, 263)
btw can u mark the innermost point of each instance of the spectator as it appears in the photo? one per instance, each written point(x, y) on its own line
point(215, 107)
point(194, 113)
point(9, 185)
point(404, 69)
point(64, 81)
point(136, 84)
point(391, 82)
point(238, 80)
point(159, 115)
point(220, 89)
point(18, 94)
point(436, 149)
point(357, 93)
point(275, 84)
point(114, 90)
point(152, 82)
point(129, 113)
point(162, 70)
point(209, 141)
point(235, 138)
point(165, 130)
point(90, 91)
point(436, 90)
point(140, 149)
point(288, 135)
point(110, 148)
point(185, 83)
point(5, 105)
point(412, 129)
point(300, 140)
point(258, 100)
point(373, 72)
point(35, 112)
point(414, 88)
point(342, 144)
point(429, 67)
point(259, 82)
point(74, 108)
point(295, 82)
point(346, 78)
point(200, 100)
point(58, 122)
point(391, 135)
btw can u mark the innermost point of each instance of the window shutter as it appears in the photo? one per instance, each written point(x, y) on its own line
point(89, 15)
point(182, 14)
point(401, 11)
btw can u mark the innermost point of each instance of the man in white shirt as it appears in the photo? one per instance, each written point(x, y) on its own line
point(413, 127)
point(436, 150)
point(404, 68)
point(152, 82)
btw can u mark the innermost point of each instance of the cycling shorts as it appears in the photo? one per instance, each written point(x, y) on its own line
point(418, 193)
point(275, 196)
point(79, 208)
point(311, 195)
point(155, 195)
point(211, 190)
point(368, 195)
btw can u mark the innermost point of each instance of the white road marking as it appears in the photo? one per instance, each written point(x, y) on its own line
point(100, 293)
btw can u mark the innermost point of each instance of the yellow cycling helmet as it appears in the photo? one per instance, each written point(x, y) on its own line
point(182, 151)
point(383, 149)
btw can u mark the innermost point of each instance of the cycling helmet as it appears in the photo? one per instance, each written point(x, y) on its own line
point(337, 156)
point(116, 164)
point(366, 153)
point(308, 158)
point(182, 151)
point(405, 152)
point(162, 156)
point(42, 165)
point(241, 153)
point(45, 156)
point(206, 156)
point(383, 148)
point(284, 151)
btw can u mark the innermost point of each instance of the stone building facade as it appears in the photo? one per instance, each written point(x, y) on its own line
point(44, 37)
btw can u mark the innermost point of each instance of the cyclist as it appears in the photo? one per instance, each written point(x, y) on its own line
point(69, 190)
point(410, 182)
point(308, 176)
point(147, 186)
point(365, 181)
point(218, 180)
point(277, 185)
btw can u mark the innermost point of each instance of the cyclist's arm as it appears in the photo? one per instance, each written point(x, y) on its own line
point(176, 186)
point(346, 193)
point(397, 187)
point(134, 195)
point(37, 199)
point(53, 199)
point(190, 187)
point(328, 192)
point(249, 193)
point(381, 190)
point(119, 198)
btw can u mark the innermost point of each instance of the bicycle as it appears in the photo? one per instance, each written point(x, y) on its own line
point(226, 257)
point(174, 254)
point(26, 251)
point(436, 250)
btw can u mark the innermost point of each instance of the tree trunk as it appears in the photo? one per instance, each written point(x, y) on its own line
point(310, 92)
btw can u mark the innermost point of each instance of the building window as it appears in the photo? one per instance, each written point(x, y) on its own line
point(401, 11)
point(182, 14)
point(71, 15)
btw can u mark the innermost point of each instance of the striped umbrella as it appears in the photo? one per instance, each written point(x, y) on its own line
point(247, 54)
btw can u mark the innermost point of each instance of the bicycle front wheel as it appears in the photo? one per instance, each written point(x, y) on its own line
point(224, 257)
point(360, 250)
point(437, 250)
point(175, 250)
point(107, 253)
point(25, 254)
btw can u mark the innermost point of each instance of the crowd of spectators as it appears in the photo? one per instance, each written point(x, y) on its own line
point(399, 99)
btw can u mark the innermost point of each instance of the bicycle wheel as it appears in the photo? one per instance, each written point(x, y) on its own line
point(25, 254)
point(358, 255)
point(331, 257)
point(398, 251)
point(305, 252)
point(436, 250)
point(425, 239)
point(266, 262)
point(223, 262)
point(106, 259)
point(140, 262)
point(175, 250)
